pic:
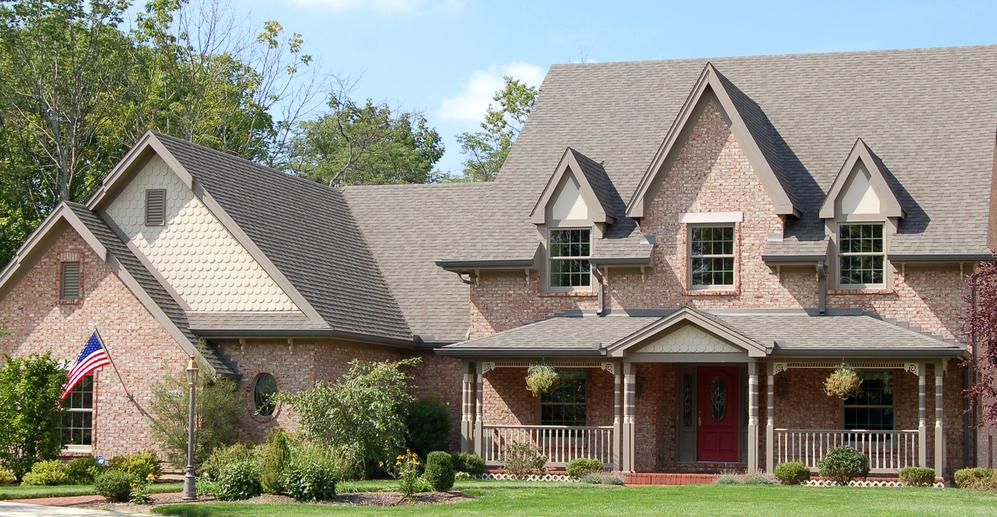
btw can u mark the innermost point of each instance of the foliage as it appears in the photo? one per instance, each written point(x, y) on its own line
point(82, 471)
point(458, 476)
point(981, 326)
point(222, 456)
point(205, 487)
point(140, 490)
point(439, 471)
point(602, 479)
point(756, 478)
point(469, 463)
point(487, 148)
point(842, 464)
point(312, 473)
point(917, 476)
point(363, 410)
point(238, 480)
point(968, 477)
point(217, 412)
point(540, 378)
point(139, 464)
point(115, 485)
point(726, 479)
point(272, 458)
point(407, 470)
point(6, 477)
point(428, 423)
point(842, 383)
point(581, 467)
point(792, 472)
point(522, 459)
point(46, 472)
point(29, 411)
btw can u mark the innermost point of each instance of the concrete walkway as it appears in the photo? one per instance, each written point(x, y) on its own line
point(10, 509)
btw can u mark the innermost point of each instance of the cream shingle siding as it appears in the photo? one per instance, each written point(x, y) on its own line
point(689, 339)
point(193, 251)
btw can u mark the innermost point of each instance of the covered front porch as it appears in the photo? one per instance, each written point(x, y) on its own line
point(690, 392)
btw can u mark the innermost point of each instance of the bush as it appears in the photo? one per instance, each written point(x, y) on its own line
point(82, 471)
point(218, 409)
point(29, 433)
point(48, 472)
point(602, 479)
point(223, 456)
point(428, 423)
point(726, 479)
point(756, 478)
point(139, 464)
point(964, 478)
point(581, 467)
point(238, 480)
point(469, 463)
point(6, 477)
point(842, 464)
point(312, 474)
point(206, 487)
point(917, 476)
point(439, 471)
point(989, 484)
point(272, 458)
point(792, 472)
point(115, 485)
point(522, 459)
point(459, 476)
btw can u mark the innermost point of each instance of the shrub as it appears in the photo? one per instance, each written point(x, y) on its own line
point(756, 478)
point(206, 487)
point(792, 472)
point(459, 476)
point(540, 378)
point(966, 477)
point(842, 464)
point(917, 476)
point(6, 477)
point(48, 472)
point(469, 462)
point(30, 419)
point(139, 464)
point(581, 467)
point(989, 484)
point(218, 409)
point(428, 423)
point(602, 479)
point(406, 469)
point(272, 458)
point(238, 480)
point(115, 485)
point(522, 459)
point(439, 471)
point(223, 456)
point(726, 479)
point(82, 471)
point(312, 474)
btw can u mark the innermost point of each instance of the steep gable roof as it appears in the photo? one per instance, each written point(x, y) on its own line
point(750, 127)
point(595, 187)
point(889, 205)
point(699, 319)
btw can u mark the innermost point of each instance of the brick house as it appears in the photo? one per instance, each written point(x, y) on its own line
point(693, 245)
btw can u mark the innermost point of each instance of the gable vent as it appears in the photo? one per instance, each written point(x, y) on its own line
point(69, 281)
point(155, 207)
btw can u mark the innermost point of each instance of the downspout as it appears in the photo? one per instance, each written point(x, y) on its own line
point(822, 286)
point(970, 416)
point(597, 273)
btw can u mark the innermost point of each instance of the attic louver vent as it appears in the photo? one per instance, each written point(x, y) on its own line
point(69, 281)
point(155, 207)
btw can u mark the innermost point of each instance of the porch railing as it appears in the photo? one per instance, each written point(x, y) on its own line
point(888, 451)
point(559, 444)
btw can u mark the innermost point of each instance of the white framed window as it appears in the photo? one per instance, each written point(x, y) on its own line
point(77, 416)
point(568, 263)
point(711, 257)
point(861, 255)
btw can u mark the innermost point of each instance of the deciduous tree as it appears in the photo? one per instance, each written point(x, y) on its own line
point(487, 148)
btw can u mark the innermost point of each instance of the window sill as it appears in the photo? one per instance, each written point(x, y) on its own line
point(711, 292)
point(862, 291)
point(568, 294)
point(76, 451)
point(70, 302)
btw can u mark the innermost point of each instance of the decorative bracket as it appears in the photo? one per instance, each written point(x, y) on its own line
point(527, 271)
point(912, 368)
point(608, 367)
point(487, 366)
point(778, 368)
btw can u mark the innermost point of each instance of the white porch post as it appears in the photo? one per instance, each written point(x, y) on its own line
point(922, 417)
point(479, 399)
point(617, 415)
point(467, 410)
point(629, 394)
point(752, 416)
point(770, 418)
point(939, 426)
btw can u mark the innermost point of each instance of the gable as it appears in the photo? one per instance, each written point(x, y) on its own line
point(568, 203)
point(688, 339)
point(195, 254)
point(858, 197)
point(578, 189)
point(861, 188)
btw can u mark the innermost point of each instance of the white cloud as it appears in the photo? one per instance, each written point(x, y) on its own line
point(476, 93)
point(382, 6)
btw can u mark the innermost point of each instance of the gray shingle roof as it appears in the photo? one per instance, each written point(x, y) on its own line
point(930, 115)
point(151, 286)
point(584, 335)
point(308, 232)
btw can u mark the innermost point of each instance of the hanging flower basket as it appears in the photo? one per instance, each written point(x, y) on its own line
point(540, 378)
point(842, 383)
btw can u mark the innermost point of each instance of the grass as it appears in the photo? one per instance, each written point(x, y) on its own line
point(32, 492)
point(530, 499)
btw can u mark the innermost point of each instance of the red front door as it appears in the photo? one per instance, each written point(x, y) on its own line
point(719, 409)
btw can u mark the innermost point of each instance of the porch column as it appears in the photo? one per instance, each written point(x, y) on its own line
point(629, 394)
point(617, 417)
point(939, 426)
point(770, 418)
point(922, 417)
point(467, 409)
point(479, 400)
point(752, 416)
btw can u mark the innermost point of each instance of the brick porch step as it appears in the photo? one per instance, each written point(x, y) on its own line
point(668, 478)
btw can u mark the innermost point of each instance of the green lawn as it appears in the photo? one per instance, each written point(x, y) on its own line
point(531, 499)
point(30, 492)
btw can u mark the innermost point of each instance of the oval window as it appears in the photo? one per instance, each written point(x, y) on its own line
point(263, 395)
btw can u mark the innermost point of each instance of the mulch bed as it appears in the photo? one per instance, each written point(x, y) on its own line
point(344, 499)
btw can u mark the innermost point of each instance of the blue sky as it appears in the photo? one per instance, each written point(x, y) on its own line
point(445, 58)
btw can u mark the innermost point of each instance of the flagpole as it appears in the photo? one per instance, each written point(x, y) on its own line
point(103, 344)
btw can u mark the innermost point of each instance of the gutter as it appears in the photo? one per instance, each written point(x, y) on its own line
point(865, 352)
point(270, 333)
point(942, 257)
point(519, 352)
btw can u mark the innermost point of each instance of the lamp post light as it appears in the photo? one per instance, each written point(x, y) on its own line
point(189, 480)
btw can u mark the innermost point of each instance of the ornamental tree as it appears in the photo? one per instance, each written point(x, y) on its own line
point(981, 326)
point(29, 411)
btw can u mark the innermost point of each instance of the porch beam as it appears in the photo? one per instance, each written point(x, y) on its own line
point(752, 416)
point(922, 417)
point(939, 424)
point(770, 418)
point(479, 399)
point(617, 418)
point(629, 394)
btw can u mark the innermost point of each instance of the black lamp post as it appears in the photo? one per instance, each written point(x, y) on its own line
point(189, 480)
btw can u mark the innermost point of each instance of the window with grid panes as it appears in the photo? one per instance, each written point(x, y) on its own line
point(564, 404)
point(711, 256)
point(860, 254)
point(872, 407)
point(569, 258)
point(77, 415)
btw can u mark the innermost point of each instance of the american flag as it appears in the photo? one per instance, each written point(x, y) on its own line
point(92, 357)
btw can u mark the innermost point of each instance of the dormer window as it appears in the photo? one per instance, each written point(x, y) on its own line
point(568, 263)
point(861, 255)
